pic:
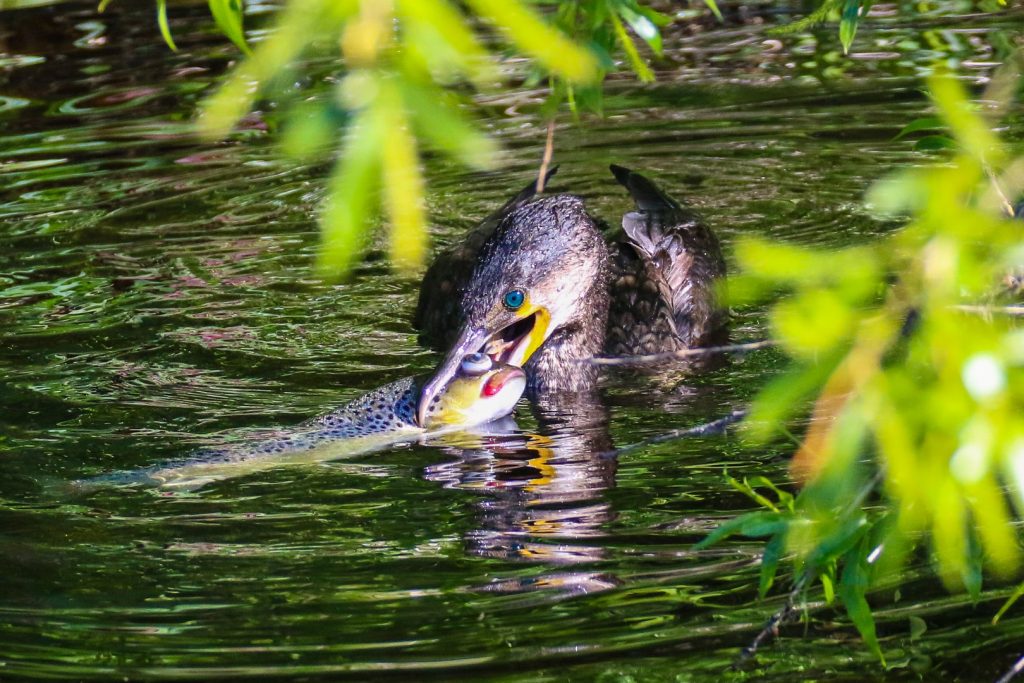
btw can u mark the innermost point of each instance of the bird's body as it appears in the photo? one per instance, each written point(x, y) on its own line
point(651, 290)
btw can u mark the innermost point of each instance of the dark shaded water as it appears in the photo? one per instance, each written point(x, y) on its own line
point(155, 297)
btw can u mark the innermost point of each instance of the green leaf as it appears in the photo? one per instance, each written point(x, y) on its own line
point(228, 15)
point(713, 6)
point(161, 20)
point(971, 131)
point(828, 586)
point(746, 489)
point(917, 628)
point(352, 195)
point(402, 183)
point(439, 120)
point(934, 143)
point(853, 587)
point(919, 124)
point(636, 62)
point(770, 563)
point(103, 5)
point(539, 40)
point(814, 18)
point(751, 524)
point(450, 25)
point(643, 27)
point(848, 24)
point(1008, 604)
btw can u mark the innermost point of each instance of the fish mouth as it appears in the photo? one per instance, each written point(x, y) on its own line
point(512, 345)
point(496, 382)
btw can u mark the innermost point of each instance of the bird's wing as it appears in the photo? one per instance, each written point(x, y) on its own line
point(682, 259)
point(439, 312)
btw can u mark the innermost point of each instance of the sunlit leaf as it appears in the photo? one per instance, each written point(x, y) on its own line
point(919, 124)
point(538, 39)
point(643, 27)
point(752, 524)
point(783, 397)
point(814, 18)
point(161, 20)
point(636, 62)
point(971, 131)
point(449, 24)
point(402, 184)
point(853, 588)
point(812, 322)
point(300, 22)
point(228, 15)
point(352, 194)
point(770, 563)
point(713, 6)
point(1014, 597)
point(439, 120)
point(848, 23)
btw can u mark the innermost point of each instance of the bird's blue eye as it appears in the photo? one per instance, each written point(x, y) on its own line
point(514, 298)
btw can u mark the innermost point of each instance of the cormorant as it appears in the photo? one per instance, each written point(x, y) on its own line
point(537, 285)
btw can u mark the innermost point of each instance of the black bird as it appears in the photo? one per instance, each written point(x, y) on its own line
point(537, 285)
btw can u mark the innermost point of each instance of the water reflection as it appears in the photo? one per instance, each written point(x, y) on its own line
point(541, 494)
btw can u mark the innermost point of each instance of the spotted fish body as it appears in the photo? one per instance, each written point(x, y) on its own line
point(376, 420)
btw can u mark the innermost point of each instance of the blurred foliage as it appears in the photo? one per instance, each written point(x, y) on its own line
point(913, 368)
point(410, 70)
point(410, 66)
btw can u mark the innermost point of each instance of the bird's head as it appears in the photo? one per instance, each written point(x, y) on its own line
point(535, 275)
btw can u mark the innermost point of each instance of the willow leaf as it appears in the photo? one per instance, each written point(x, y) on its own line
point(228, 15)
point(637, 63)
point(161, 20)
point(539, 40)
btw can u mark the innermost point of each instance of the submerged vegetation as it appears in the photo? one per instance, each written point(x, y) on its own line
point(907, 353)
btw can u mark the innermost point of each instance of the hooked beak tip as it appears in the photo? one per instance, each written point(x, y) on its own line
point(469, 341)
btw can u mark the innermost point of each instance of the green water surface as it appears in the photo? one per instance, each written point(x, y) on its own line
point(156, 297)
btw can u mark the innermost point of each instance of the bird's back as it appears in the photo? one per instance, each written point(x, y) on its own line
point(668, 267)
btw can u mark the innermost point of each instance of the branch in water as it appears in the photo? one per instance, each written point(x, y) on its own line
point(707, 429)
point(775, 622)
point(653, 358)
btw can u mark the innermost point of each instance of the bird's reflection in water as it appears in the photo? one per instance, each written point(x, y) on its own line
point(541, 493)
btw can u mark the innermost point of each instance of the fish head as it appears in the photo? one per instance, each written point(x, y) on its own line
point(481, 390)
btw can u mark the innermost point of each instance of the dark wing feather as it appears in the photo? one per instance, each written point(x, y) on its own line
point(664, 297)
point(439, 313)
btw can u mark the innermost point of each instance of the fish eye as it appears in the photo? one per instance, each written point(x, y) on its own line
point(476, 363)
point(514, 298)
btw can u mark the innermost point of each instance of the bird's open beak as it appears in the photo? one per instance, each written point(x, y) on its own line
point(513, 344)
point(470, 340)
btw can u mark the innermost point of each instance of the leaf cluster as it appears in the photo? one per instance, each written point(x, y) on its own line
point(914, 373)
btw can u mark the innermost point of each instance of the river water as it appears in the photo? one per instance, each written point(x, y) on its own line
point(156, 297)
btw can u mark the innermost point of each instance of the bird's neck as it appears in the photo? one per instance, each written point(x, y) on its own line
point(560, 364)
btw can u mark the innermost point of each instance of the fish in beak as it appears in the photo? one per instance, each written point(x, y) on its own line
point(511, 338)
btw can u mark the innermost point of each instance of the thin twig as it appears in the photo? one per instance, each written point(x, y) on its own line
point(652, 358)
point(1017, 667)
point(785, 613)
point(774, 623)
point(1007, 204)
point(992, 310)
point(549, 151)
point(707, 429)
